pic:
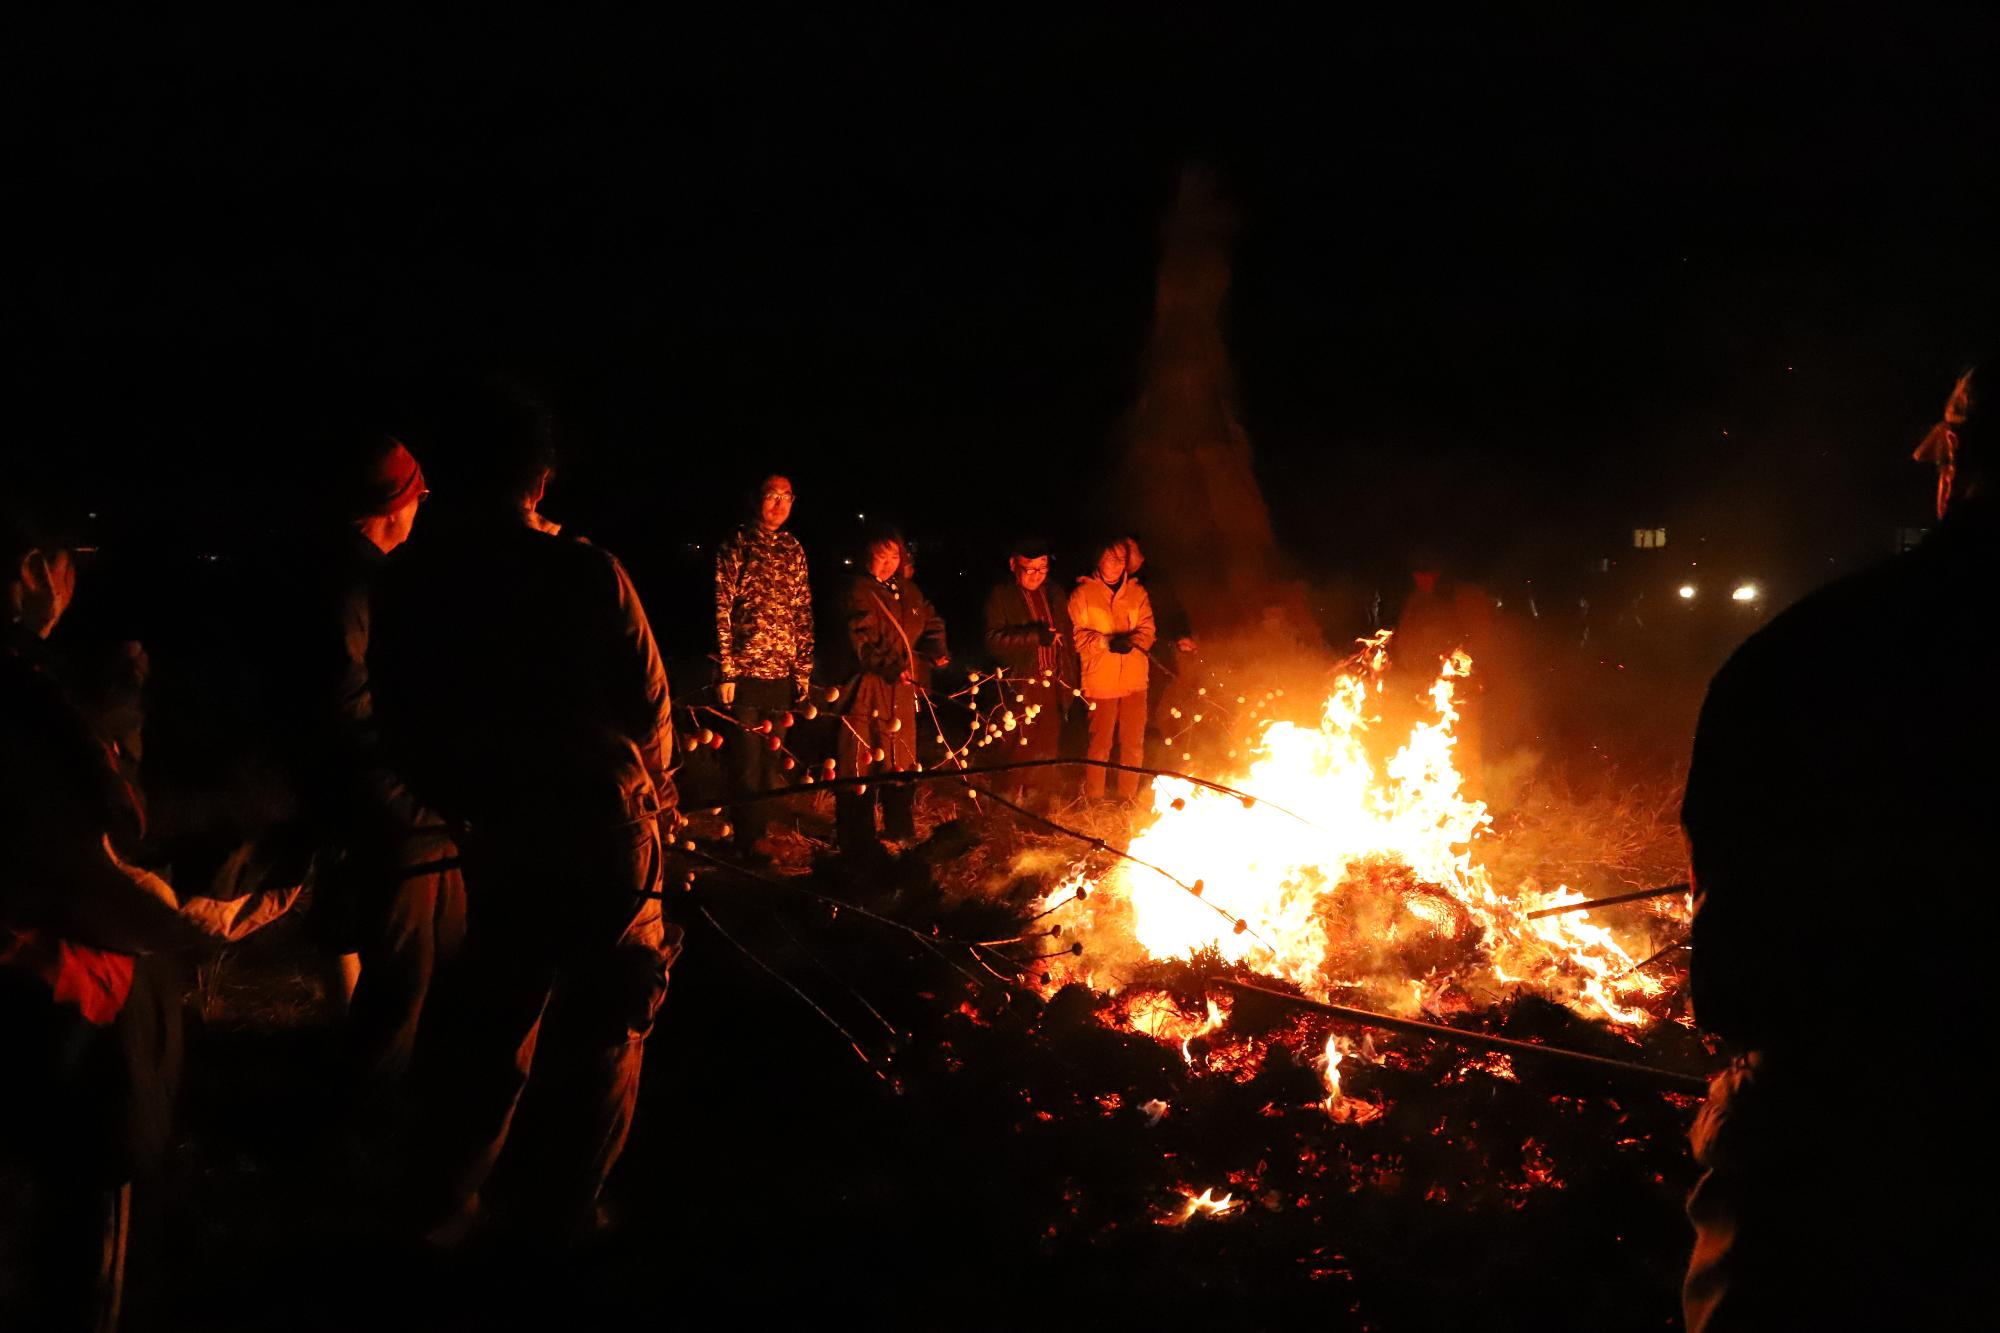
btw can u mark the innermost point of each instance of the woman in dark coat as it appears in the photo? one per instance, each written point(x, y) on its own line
point(894, 639)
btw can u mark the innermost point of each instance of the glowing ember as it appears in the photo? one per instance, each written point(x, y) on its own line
point(1349, 871)
point(1204, 1204)
point(1345, 1110)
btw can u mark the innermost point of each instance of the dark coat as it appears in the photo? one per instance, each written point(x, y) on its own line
point(1839, 813)
point(893, 636)
point(1846, 759)
point(892, 631)
point(1014, 639)
point(515, 677)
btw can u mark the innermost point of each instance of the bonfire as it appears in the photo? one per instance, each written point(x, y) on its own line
point(1345, 861)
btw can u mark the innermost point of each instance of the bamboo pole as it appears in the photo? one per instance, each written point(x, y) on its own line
point(1476, 1040)
point(1665, 890)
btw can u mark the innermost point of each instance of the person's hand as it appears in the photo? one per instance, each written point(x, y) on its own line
point(1187, 645)
point(726, 691)
point(1045, 634)
point(1118, 643)
point(941, 661)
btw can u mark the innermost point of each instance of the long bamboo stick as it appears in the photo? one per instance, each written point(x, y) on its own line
point(1663, 891)
point(1476, 1040)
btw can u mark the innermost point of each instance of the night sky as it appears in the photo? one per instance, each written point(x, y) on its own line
point(1504, 290)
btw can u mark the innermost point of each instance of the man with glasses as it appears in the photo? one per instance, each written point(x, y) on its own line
point(764, 634)
point(1028, 635)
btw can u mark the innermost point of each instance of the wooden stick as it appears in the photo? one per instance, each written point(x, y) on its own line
point(1663, 891)
point(982, 770)
point(1476, 1040)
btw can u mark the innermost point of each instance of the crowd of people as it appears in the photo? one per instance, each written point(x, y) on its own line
point(1095, 647)
point(446, 730)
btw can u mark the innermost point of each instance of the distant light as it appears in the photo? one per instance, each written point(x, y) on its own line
point(1746, 592)
point(1687, 592)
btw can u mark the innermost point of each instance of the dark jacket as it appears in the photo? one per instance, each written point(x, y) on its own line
point(1014, 637)
point(516, 678)
point(71, 912)
point(1845, 773)
point(892, 629)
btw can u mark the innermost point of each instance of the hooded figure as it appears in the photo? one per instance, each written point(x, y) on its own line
point(1825, 794)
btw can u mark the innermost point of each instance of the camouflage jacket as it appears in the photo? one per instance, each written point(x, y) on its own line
point(763, 608)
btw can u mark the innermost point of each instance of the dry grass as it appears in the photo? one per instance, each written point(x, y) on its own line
point(1622, 837)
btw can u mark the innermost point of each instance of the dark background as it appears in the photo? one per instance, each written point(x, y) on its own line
point(1505, 290)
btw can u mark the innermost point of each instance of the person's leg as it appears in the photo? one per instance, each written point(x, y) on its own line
point(488, 1019)
point(1034, 787)
point(899, 811)
point(757, 701)
point(854, 808)
point(1131, 710)
point(1103, 726)
point(899, 818)
point(397, 964)
point(594, 1043)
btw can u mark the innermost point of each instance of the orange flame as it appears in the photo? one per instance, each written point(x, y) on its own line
point(1347, 871)
point(1204, 1204)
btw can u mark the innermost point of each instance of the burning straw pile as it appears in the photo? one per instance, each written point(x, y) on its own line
point(1151, 1038)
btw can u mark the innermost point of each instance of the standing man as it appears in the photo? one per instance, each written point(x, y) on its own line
point(518, 684)
point(1826, 791)
point(1028, 634)
point(1114, 631)
point(764, 633)
point(389, 859)
point(894, 639)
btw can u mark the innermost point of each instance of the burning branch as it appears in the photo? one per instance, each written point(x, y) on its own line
point(1585, 904)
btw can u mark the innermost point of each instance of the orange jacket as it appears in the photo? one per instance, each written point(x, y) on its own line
point(1097, 611)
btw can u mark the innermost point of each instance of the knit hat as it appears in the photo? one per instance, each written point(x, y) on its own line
point(387, 478)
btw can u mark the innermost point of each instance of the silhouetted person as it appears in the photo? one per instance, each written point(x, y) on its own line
point(1028, 635)
point(764, 634)
point(1840, 817)
point(519, 687)
point(88, 1058)
point(386, 864)
point(894, 639)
